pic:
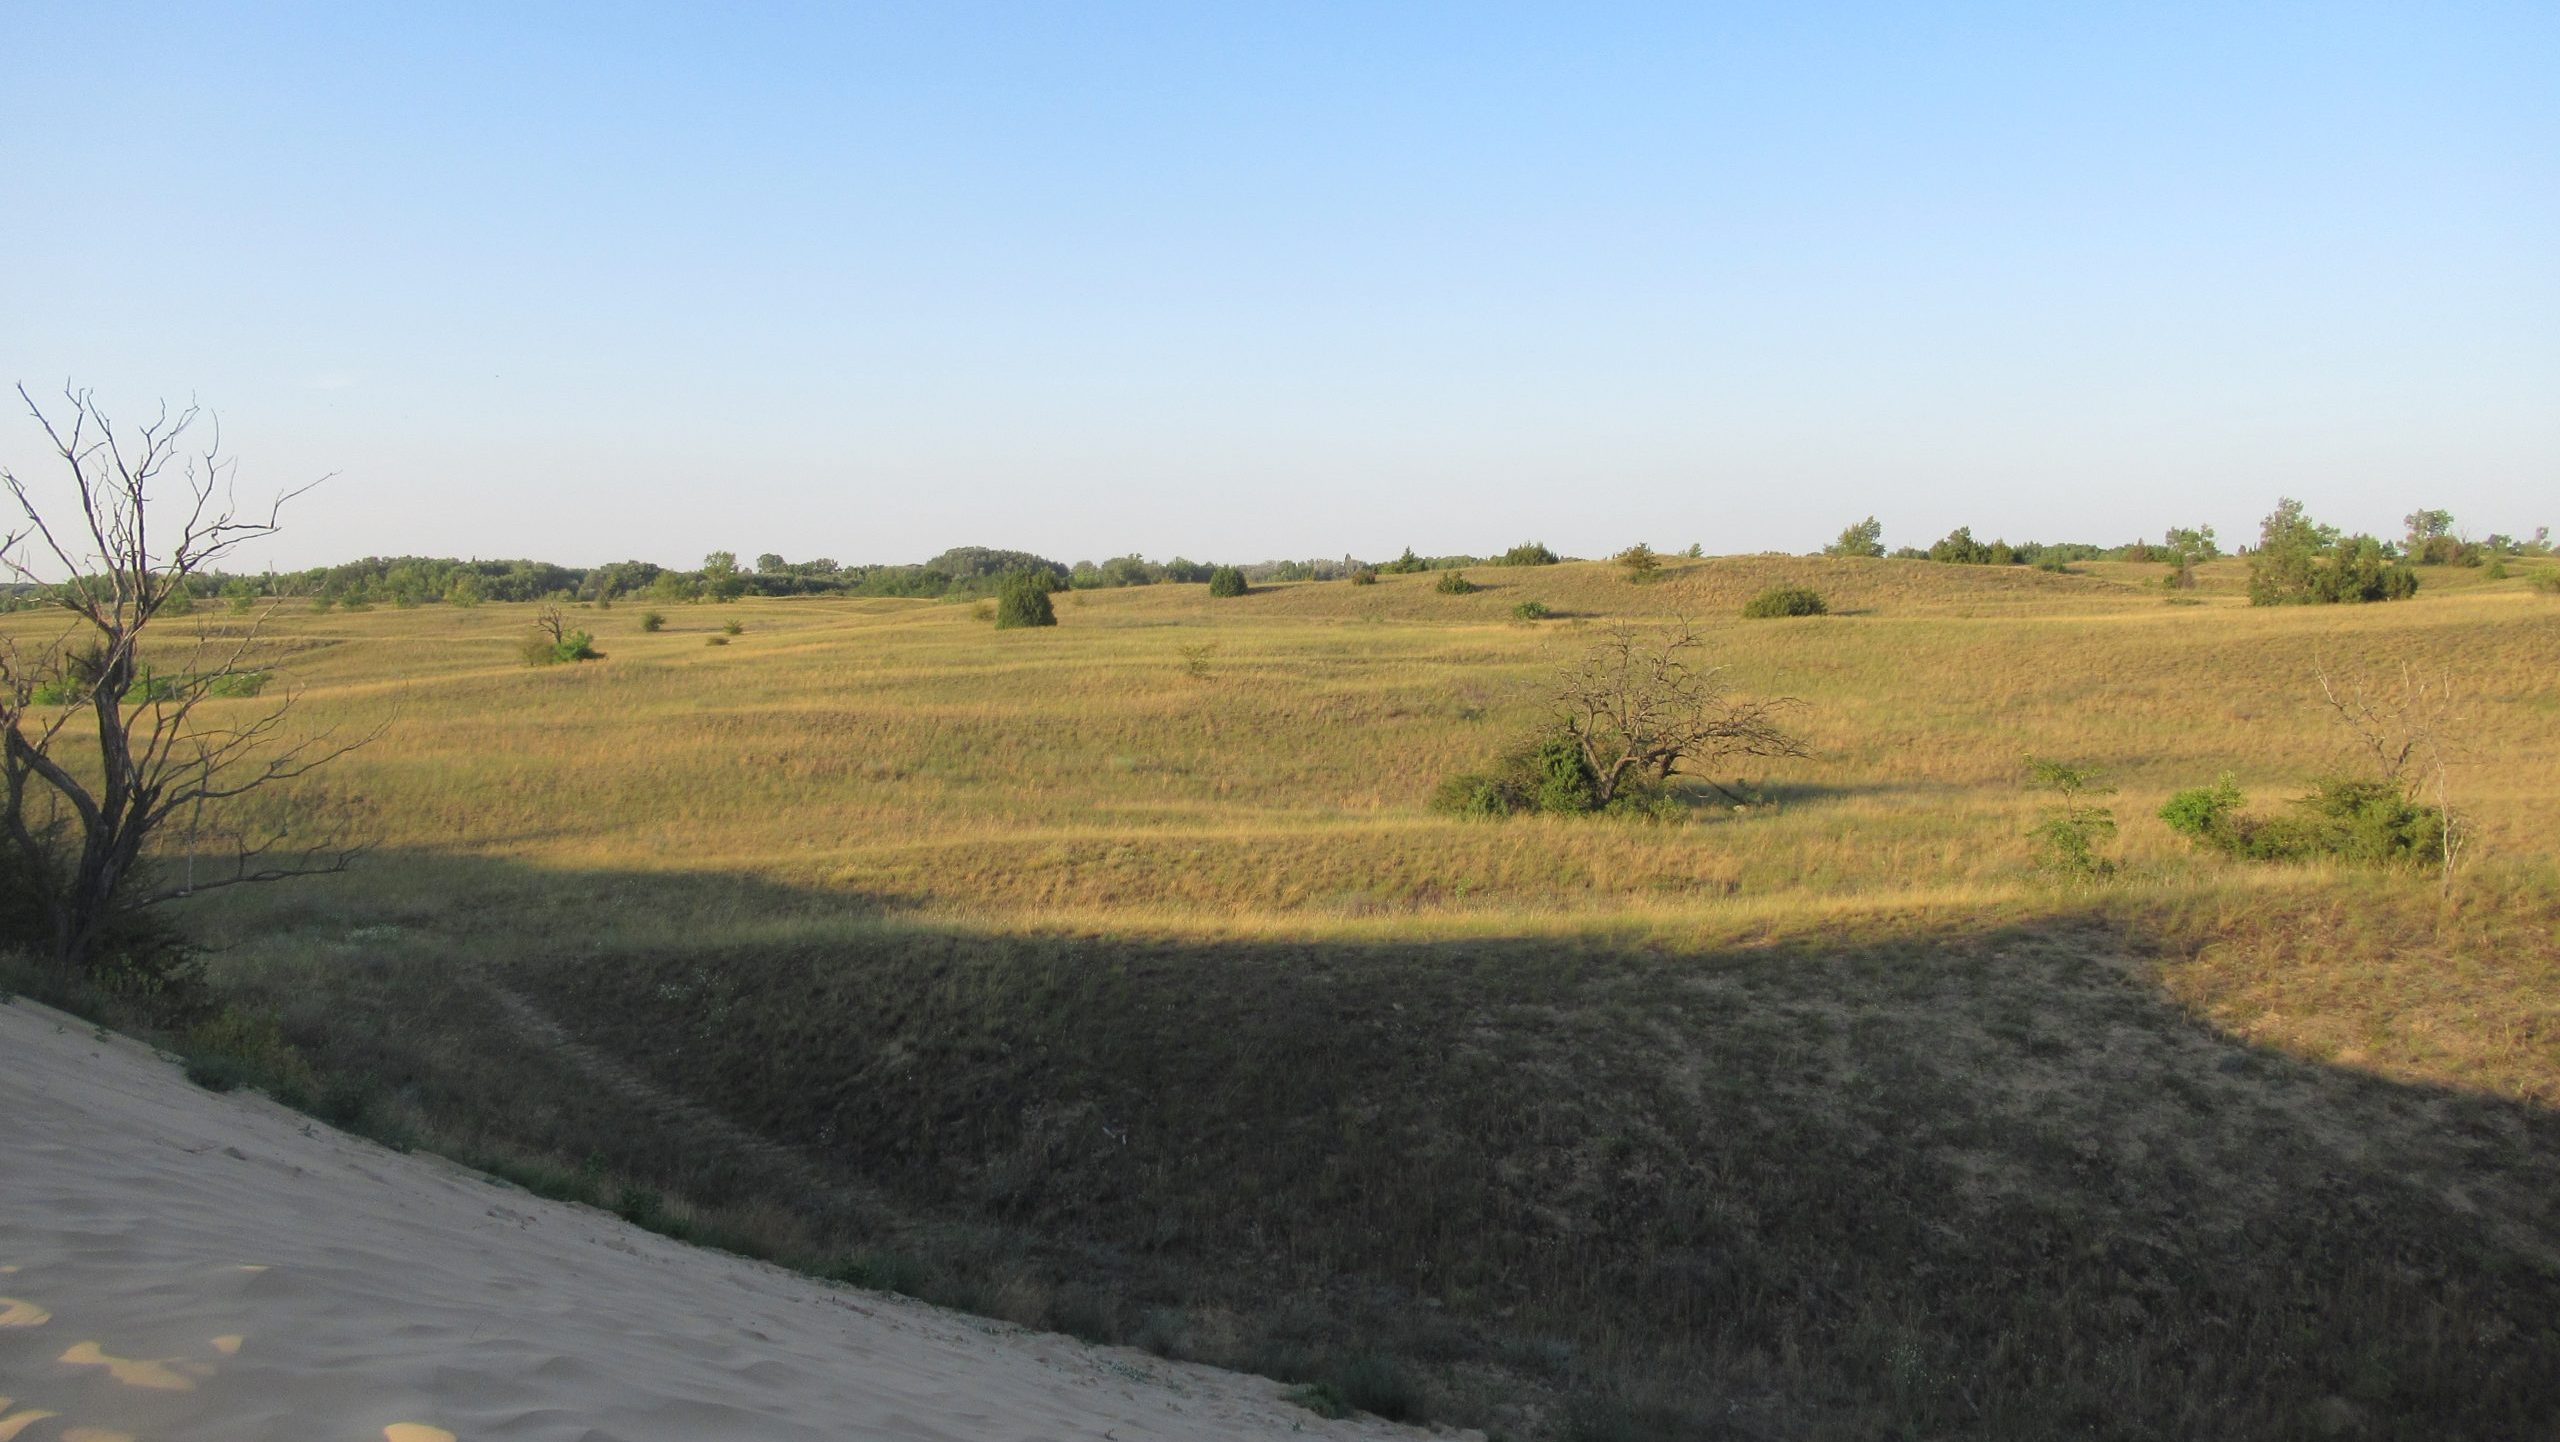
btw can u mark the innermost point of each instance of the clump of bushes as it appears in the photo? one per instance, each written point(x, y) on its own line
point(653, 621)
point(1527, 553)
point(2348, 818)
point(1024, 601)
point(1365, 576)
point(1547, 776)
point(1786, 601)
point(543, 649)
point(1531, 611)
point(1455, 583)
point(2547, 582)
point(1226, 581)
point(1641, 562)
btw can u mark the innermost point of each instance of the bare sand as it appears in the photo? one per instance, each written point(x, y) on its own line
point(180, 1265)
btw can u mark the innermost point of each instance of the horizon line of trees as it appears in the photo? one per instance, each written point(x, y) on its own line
point(2296, 559)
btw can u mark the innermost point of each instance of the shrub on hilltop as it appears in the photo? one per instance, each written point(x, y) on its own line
point(1226, 581)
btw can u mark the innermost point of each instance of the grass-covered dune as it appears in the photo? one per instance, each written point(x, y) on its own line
point(1115, 977)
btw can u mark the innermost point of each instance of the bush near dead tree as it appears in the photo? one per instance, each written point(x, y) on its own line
point(1634, 711)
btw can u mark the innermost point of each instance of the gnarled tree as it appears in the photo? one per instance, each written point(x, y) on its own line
point(106, 745)
point(1641, 706)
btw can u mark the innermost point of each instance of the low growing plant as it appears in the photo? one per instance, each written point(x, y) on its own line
point(653, 621)
point(1786, 601)
point(1531, 611)
point(1455, 583)
point(2343, 818)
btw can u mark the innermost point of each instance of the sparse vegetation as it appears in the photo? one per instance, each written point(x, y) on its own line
point(1527, 553)
point(1820, 1118)
point(2075, 825)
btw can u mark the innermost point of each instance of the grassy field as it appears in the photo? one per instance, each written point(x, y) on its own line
point(1117, 978)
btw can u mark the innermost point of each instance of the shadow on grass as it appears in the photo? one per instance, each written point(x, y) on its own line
point(1973, 1181)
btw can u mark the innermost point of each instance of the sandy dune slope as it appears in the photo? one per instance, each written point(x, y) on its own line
point(180, 1265)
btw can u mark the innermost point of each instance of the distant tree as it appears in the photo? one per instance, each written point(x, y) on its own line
point(771, 564)
point(1527, 553)
point(1866, 538)
point(2298, 561)
point(1637, 706)
point(1406, 564)
point(2425, 526)
point(720, 576)
point(1640, 561)
point(1697, 551)
point(102, 752)
point(1226, 581)
point(464, 589)
point(2194, 543)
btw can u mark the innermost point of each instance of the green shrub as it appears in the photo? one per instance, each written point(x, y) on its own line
point(1365, 576)
point(540, 650)
point(1226, 581)
point(653, 620)
point(1786, 601)
point(2067, 839)
point(2547, 582)
point(733, 628)
point(2497, 570)
point(1548, 775)
point(1641, 563)
point(2345, 818)
point(1531, 611)
point(237, 685)
point(1024, 601)
point(1527, 553)
point(1455, 583)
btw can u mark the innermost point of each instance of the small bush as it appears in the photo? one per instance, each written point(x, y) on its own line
point(1547, 775)
point(1322, 1399)
point(1531, 611)
point(539, 649)
point(1365, 576)
point(653, 621)
point(2547, 582)
point(2344, 818)
point(1455, 583)
point(1786, 601)
point(1226, 581)
point(733, 628)
point(1024, 601)
point(2068, 837)
point(237, 685)
point(1641, 563)
point(2497, 570)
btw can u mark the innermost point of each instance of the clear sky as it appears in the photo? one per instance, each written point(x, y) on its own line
point(1243, 281)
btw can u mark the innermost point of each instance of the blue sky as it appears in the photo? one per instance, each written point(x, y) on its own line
point(1242, 282)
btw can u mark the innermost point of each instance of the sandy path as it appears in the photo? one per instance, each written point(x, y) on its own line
point(180, 1265)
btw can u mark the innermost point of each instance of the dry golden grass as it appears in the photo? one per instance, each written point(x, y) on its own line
point(1813, 1113)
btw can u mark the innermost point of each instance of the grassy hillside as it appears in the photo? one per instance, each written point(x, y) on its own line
point(1115, 977)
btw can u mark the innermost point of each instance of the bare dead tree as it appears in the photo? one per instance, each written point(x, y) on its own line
point(150, 512)
point(1639, 705)
point(2406, 723)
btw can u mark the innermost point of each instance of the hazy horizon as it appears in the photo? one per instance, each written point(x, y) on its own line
point(590, 284)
